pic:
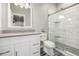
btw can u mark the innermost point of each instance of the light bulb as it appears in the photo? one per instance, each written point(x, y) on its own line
point(16, 4)
point(21, 6)
point(27, 4)
point(61, 16)
point(69, 19)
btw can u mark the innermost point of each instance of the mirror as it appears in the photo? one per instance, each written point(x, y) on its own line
point(19, 15)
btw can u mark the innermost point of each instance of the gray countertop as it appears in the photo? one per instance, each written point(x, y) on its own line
point(4, 35)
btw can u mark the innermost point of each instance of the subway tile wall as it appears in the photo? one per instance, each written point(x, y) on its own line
point(67, 28)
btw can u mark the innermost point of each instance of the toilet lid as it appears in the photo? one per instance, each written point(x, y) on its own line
point(49, 44)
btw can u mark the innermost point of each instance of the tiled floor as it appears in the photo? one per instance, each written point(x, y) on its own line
point(44, 54)
point(56, 53)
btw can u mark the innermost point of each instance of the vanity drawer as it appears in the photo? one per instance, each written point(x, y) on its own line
point(36, 44)
point(36, 53)
point(6, 51)
point(35, 50)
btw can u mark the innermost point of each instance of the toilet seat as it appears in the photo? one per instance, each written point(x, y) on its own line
point(49, 44)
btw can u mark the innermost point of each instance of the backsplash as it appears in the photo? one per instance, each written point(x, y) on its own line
point(18, 31)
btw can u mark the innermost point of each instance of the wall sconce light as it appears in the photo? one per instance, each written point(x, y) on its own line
point(25, 5)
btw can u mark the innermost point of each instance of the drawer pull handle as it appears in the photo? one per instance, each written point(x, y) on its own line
point(36, 44)
point(16, 53)
point(4, 52)
point(36, 52)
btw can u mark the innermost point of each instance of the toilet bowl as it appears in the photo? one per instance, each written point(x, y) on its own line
point(48, 47)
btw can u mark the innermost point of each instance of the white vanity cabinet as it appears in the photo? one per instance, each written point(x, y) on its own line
point(35, 45)
point(6, 47)
point(22, 49)
point(20, 46)
point(7, 51)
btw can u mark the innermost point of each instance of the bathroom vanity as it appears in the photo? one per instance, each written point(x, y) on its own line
point(20, 44)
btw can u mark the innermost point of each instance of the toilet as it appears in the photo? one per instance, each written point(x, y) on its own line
point(48, 45)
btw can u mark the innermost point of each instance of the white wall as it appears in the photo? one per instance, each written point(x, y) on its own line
point(4, 23)
point(52, 8)
point(0, 17)
point(40, 15)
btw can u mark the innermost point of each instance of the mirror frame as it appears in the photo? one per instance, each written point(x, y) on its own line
point(10, 19)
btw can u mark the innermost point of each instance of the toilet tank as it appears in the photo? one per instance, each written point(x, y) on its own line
point(43, 36)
